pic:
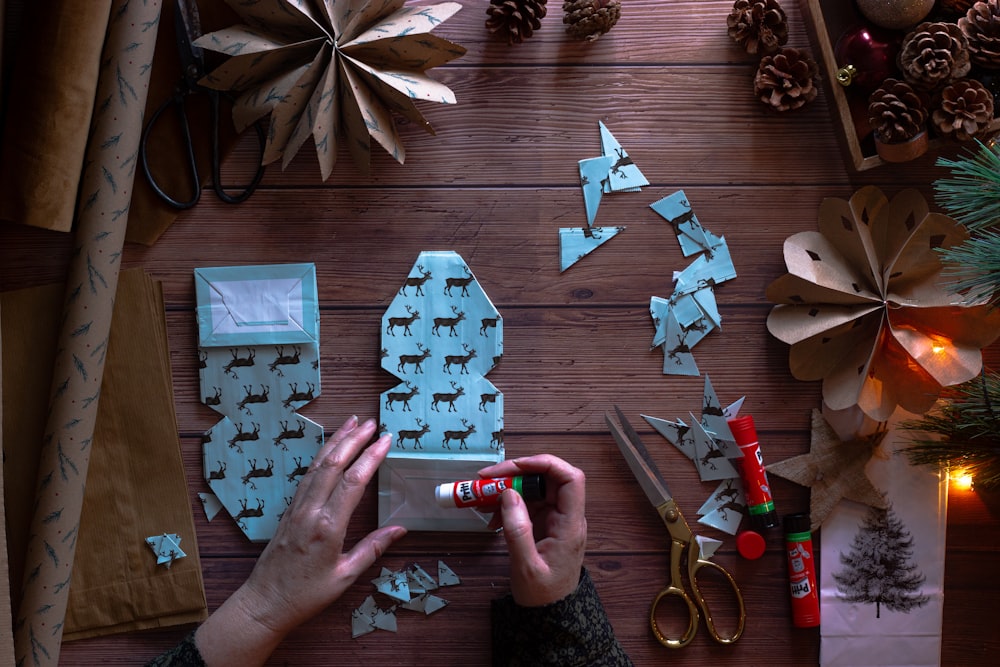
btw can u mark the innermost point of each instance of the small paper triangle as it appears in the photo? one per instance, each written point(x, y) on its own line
point(575, 243)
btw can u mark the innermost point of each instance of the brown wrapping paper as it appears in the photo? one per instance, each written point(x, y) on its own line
point(135, 483)
point(105, 193)
point(45, 131)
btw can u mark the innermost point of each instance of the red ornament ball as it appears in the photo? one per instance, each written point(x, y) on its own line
point(866, 56)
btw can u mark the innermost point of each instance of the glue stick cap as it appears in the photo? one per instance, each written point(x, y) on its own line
point(743, 429)
point(750, 544)
point(533, 487)
point(444, 494)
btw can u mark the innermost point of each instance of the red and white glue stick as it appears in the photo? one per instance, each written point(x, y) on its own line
point(801, 571)
point(760, 504)
point(486, 492)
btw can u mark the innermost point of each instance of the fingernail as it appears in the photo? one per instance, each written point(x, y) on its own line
point(510, 499)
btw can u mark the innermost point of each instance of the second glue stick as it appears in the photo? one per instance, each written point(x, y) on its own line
point(486, 492)
point(760, 503)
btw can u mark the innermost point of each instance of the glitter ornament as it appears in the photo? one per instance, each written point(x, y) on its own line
point(895, 14)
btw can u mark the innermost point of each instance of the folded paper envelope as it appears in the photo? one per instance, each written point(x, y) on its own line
point(259, 348)
point(440, 337)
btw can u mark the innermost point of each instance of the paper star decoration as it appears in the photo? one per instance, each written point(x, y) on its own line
point(710, 445)
point(167, 548)
point(408, 589)
point(331, 69)
point(833, 469)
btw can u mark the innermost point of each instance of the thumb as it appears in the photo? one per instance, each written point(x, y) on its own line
point(517, 528)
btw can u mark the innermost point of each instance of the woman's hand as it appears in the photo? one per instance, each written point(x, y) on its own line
point(304, 567)
point(546, 539)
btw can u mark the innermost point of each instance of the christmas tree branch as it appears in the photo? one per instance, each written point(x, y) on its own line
point(972, 194)
point(973, 268)
point(963, 432)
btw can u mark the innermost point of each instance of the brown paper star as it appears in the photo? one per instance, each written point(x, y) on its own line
point(833, 469)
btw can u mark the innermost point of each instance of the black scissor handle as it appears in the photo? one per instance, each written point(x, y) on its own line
point(247, 190)
point(177, 100)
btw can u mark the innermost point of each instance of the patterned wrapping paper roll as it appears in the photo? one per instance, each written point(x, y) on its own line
point(102, 213)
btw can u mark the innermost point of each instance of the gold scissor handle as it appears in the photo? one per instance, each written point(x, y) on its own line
point(694, 566)
point(693, 616)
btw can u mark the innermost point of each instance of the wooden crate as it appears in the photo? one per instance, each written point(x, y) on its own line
point(826, 21)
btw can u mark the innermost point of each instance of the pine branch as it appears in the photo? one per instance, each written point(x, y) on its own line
point(972, 268)
point(972, 194)
point(967, 430)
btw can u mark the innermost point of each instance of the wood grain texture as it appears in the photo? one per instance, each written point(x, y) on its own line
point(495, 184)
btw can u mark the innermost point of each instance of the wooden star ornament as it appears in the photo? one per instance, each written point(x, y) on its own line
point(833, 469)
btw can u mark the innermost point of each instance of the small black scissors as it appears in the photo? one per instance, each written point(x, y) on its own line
point(681, 539)
point(192, 62)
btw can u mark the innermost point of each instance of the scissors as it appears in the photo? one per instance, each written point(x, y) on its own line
point(681, 538)
point(192, 62)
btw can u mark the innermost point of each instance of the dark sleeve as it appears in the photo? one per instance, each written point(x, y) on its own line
point(573, 632)
point(184, 654)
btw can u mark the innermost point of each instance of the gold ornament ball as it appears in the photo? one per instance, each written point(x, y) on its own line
point(895, 14)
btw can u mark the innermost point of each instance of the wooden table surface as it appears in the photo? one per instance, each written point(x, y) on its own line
point(495, 184)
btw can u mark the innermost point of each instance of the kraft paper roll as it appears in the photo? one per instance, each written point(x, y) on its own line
point(105, 192)
point(54, 77)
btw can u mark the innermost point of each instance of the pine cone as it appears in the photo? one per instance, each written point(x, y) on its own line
point(786, 80)
point(516, 19)
point(589, 19)
point(955, 7)
point(934, 54)
point(964, 110)
point(981, 26)
point(896, 112)
point(758, 26)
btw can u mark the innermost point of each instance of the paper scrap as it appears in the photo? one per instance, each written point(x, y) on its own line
point(210, 502)
point(406, 589)
point(575, 243)
point(690, 313)
point(446, 576)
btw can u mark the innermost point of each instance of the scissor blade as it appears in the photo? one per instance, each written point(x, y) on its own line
point(637, 458)
point(188, 22)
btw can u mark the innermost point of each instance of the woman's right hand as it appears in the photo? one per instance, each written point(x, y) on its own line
point(546, 539)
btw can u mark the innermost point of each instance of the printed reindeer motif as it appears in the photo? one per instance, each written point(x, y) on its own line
point(462, 282)
point(448, 322)
point(216, 399)
point(734, 506)
point(460, 359)
point(486, 324)
point(460, 436)
point(417, 282)
point(486, 399)
point(239, 362)
point(679, 349)
point(289, 434)
point(401, 397)
point(251, 397)
point(710, 456)
point(220, 473)
point(413, 435)
point(623, 160)
point(299, 470)
point(295, 395)
point(245, 513)
point(416, 360)
point(241, 436)
point(404, 322)
point(496, 440)
point(729, 493)
point(256, 472)
point(448, 398)
point(283, 360)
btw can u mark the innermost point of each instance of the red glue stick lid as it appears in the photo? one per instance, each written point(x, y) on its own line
point(743, 430)
point(750, 544)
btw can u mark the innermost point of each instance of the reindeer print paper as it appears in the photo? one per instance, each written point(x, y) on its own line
point(440, 337)
point(258, 332)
